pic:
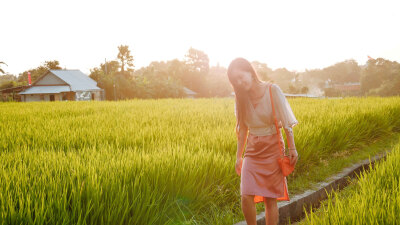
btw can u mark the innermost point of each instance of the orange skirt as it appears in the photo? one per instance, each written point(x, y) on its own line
point(261, 175)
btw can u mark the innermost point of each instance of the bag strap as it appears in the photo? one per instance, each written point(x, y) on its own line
point(276, 122)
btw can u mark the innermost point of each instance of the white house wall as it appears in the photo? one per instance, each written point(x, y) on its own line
point(50, 79)
point(46, 97)
point(32, 98)
point(87, 96)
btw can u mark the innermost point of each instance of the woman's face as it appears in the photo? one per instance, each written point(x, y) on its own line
point(242, 79)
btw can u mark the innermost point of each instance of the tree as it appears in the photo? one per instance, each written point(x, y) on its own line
point(331, 92)
point(125, 58)
point(160, 80)
point(105, 77)
point(283, 78)
point(157, 80)
point(177, 69)
point(388, 88)
point(342, 72)
point(7, 77)
point(380, 77)
point(304, 90)
point(313, 78)
point(262, 70)
point(292, 89)
point(218, 82)
point(37, 72)
point(1, 70)
point(117, 84)
point(8, 84)
point(197, 63)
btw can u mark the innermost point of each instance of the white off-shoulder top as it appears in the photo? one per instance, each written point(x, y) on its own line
point(259, 119)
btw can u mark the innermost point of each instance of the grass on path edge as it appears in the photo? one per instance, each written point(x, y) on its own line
point(334, 165)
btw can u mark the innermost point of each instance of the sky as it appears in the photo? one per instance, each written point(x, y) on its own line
point(297, 35)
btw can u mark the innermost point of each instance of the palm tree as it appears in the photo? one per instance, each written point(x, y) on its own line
point(1, 70)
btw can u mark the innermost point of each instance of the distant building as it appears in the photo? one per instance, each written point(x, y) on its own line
point(346, 89)
point(189, 93)
point(300, 95)
point(287, 95)
point(11, 94)
point(63, 85)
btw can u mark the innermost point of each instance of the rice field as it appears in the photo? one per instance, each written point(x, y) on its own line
point(168, 161)
point(373, 199)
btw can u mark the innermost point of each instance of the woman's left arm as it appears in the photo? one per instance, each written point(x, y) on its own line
point(292, 147)
point(285, 115)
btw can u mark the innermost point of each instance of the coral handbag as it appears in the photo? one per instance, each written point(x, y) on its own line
point(283, 160)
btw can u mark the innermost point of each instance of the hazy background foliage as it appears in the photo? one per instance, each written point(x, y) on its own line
point(166, 79)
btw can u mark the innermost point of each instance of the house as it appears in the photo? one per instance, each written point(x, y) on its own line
point(11, 94)
point(60, 85)
point(189, 93)
point(347, 89)
point(287, 95)
point(300, 95)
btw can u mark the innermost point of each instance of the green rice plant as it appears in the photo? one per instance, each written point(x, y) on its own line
point(374, 199)
point(168, 161)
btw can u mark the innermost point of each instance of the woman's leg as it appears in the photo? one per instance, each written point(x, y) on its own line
point(271, 211)
point(249, 209)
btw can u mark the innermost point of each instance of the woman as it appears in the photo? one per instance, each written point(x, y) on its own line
point(261, 177)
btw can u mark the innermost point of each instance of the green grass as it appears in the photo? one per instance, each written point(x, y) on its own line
point(167, 161)
point(336, 163)
point(374, 198)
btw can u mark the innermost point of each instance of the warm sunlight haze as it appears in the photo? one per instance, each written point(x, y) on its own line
point(165, 112)
point(296, 35)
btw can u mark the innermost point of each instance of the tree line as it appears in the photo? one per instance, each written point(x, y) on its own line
point(161, 79)
point(167, 79)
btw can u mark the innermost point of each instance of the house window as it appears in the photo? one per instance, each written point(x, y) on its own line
point(41, 97)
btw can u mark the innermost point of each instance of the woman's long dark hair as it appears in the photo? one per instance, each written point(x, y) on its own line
point(241, 96)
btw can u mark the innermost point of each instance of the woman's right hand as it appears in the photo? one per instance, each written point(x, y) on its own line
point(238, 166)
